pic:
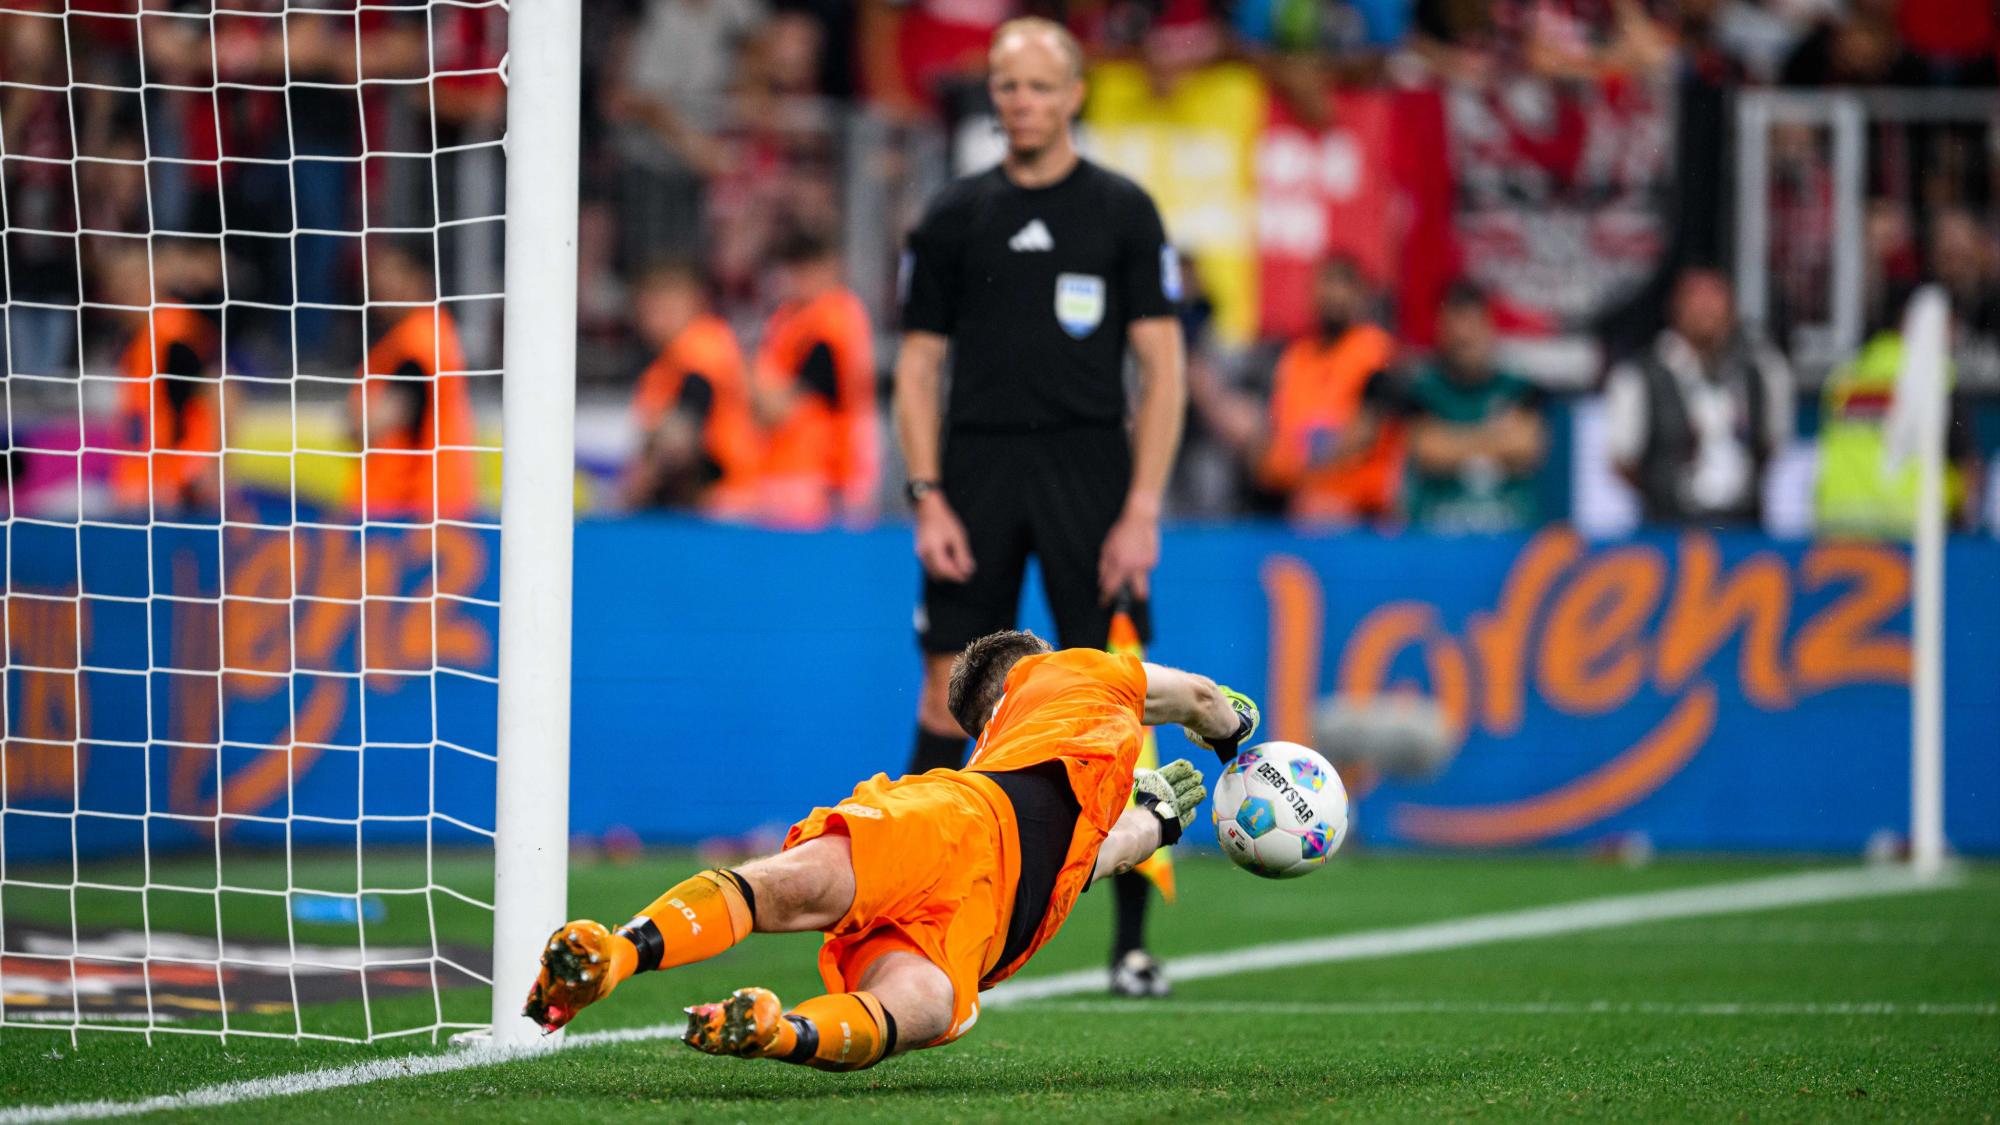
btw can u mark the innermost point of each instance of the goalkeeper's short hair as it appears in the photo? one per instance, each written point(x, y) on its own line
point(980, 674)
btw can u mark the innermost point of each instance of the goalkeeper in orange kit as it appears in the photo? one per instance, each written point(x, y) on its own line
point(933, 887)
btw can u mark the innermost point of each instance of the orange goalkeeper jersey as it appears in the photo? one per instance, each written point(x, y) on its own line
point(1084, 708)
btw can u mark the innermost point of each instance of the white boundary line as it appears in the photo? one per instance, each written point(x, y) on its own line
point(331, 1078)
point(1521, 1008)
point(1772, 893)
point(1566, 918)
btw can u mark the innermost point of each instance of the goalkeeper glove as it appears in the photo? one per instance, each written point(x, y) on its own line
point(1173, 793)
point(1247, 718)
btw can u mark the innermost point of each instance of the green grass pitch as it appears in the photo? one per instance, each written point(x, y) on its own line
point(1871, 1009)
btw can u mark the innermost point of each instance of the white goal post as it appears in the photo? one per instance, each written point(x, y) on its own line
point(531, 859)
point(286, 507)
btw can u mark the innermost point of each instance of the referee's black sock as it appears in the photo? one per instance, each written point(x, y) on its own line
point(1132, 890)
point(937, 751)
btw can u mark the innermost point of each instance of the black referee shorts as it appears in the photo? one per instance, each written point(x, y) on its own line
point(1054, 494)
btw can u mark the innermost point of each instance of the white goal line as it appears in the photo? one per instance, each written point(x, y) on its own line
point(1830, 1008)
point(1774, 893)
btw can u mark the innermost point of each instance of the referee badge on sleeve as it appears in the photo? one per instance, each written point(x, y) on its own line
point(1079, 303)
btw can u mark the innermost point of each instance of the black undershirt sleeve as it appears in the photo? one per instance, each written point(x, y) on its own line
point(408, 387)
point(819, 376)
point(697, 398)
point(182, 360)
point(181, 367)
point(1045, 815)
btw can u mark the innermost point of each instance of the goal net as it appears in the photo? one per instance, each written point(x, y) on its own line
point(254, 280)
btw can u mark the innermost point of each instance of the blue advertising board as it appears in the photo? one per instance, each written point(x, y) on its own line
point(169, 684)
point(1712, 691)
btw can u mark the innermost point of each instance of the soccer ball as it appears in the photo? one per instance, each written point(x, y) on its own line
point(1280, 810)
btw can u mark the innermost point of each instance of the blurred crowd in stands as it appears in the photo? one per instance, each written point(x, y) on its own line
point(321, 186)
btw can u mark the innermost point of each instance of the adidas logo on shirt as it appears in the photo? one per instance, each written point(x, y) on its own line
point(1034, 236)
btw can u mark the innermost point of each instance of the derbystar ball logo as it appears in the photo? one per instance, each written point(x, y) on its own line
point(1275, 777)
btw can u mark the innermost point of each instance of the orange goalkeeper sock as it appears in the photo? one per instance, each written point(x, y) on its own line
point(841, 1031)
point(696, 919)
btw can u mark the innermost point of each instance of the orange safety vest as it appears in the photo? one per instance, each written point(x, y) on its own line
point(184, 439)
point(1317, 392)
point(1082, 707)
point(821, 452)
point(729, 434)
point(404, 474)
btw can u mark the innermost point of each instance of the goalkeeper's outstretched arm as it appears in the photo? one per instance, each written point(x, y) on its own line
point(1164, 803)
point(1137, 834)
point(1215, 717)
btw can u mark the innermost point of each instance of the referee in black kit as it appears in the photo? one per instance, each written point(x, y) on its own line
point(1035, 275)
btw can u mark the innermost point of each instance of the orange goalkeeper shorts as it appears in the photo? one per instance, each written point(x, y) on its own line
point(936, 857)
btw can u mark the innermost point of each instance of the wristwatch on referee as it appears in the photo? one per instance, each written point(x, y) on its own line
point(917, 489)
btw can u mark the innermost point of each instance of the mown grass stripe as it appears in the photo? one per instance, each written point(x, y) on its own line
point(1771, 893)
point(1827, 1008)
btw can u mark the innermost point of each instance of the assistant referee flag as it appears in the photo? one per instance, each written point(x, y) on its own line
point(1159, 867)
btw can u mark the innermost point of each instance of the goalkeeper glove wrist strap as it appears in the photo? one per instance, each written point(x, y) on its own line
point(1170, 823)
point(1226, 748)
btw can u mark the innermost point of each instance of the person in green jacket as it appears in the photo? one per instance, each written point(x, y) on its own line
point(1476, 432)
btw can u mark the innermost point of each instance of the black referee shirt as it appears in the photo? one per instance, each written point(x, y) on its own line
point(1034, 287)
